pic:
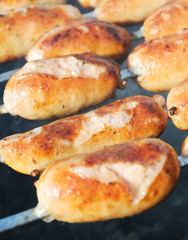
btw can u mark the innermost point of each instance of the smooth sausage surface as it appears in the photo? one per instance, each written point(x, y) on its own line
point(20, 28)
point(91, 35)
point(6, 5)
point(57, 87)
point(177, 105)
point(162, 63)
point(166, 20)
point(184, 148)
point(126, 11)
point(119, 181)
point(117, 122)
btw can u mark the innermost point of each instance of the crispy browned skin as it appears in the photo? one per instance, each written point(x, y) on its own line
point(117, 122)
point(184, 148)
point(6, 5)
point(126, 11)
point(20, 28)
point(177, 105)
point(57, 87)
point(117, 182)
point(167, 20)
point(101, 38)
point(161, 63)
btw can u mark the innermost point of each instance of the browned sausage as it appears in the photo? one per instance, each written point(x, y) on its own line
point(177, 105)
point(117, 122)
point(20, 28)
point(184, 148)
point(57, 87)
point(162, 63)
point(91, 35)
point(166, 20)
point(6, 5)
point(119, 181)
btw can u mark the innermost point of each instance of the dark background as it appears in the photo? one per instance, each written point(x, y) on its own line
point(168, 220)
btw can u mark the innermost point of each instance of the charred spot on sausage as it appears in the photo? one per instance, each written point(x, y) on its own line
point(172, 110)
point(166, 46)
point(36, 172)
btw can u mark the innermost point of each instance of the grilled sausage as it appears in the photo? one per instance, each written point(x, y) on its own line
point(119, 181)
point(184, 148)
point(6, 5)
point(126, 11)
point(177, 105)
point(101, 38)
point(20, 28)
point(57, 87)
point(166, 20)
point(162, 63)
point(88, 3)
point(123, 120)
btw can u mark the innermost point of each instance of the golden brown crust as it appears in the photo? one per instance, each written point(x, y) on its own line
point(82, 195)
point(6, 5)
point(184, 148)
point(37, 94)
point(177, 105)
point(20, 28)
point(167, 20)
point(129, 11)
point(101, 38)
point(117, 122)
point(161, 63)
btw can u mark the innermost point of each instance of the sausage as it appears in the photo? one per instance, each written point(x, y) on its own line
point(88, 3)
point(166, 20)
point(184, 148)
point(57, 87)
point(126, 11)
point(6, 5)
point(117, 122)
point(177, 105)
point(20, 28)
point(101, 38)
point(162, 63)
point(119, 181)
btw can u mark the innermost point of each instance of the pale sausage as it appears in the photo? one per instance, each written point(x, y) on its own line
point(126, 11)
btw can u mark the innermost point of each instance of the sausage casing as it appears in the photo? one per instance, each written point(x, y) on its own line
point(117, 122)
point(58, 87)
point(6, 5)
point(162, 63)
point(177, 105)
point(167, 20)
point(20, 28)
point(184, 148)
point(89, 35)
point(126, 11)
point(119, 181)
